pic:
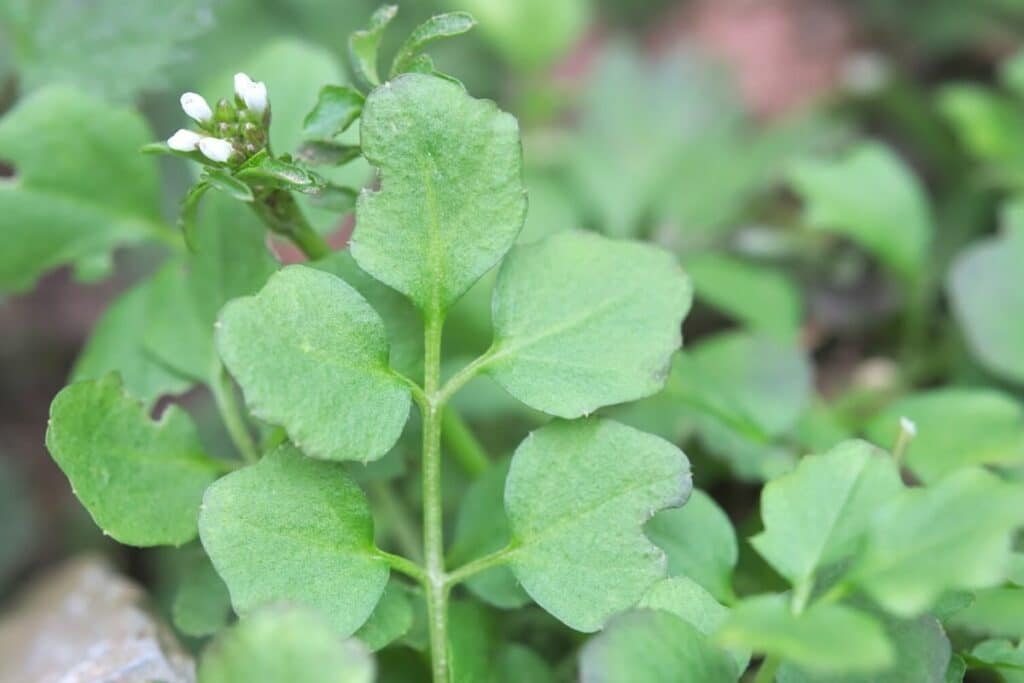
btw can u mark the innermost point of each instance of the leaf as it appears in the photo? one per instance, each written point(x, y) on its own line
point(993, 612)
point(326, 153)
point(337, 107)
point(141, 481)
point(392, 618)
point(923, 656)
point(518, 663)
point(817, 514)
point(285, 644)
point(582, 322)
point(577, 496)
point(686, 599)
point(700, 543)
point(471, 643)
point(826, 639)
point(189, 210)
point(230, 259)
point(102, 193)
point(1002, 656)
point(953, 535)
point(895, 226)
point(451, 199)
point(988, 304)
point(530, 34)
point(989, 125)
point(362, 45)
point(334, 198)
point(293, 529)
point(281, 174)
point(956, 428)
point(312, 356)
point(228, 184)
point(202, 605)
point(482, 528)
point(761, 298)
point(435, 28)
point(116, 344)
point(106, 47)
point(654, 647)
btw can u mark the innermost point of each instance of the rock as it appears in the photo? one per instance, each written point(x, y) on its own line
point(85, 623)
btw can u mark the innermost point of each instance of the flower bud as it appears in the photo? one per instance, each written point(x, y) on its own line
point(184, 141)
point(254, 94)
point(216, 149)
point(225, 112)
point(196, 107)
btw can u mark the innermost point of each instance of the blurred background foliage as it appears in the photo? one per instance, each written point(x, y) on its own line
point(838, 178)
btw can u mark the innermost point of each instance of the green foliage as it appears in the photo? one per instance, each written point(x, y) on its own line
point(285, 644)
point(451, 200)
point(101, 195)
point(202, 604)
point(284, 340)
point(292, 529)
point(577, 496)
point(895, 226)
point(141, 480)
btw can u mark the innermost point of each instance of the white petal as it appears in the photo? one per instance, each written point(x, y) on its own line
point(184, 141)
point(242, 83)
point(216, 149)
point(196, 107)
point(908, 426)
point(255, 97)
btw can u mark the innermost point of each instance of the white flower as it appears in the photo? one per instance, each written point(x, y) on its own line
point(252, 93)
point(196, 107)
point(216, 149)
point(184, 141)
point(908, 426)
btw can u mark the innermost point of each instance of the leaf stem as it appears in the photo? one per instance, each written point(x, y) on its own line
point(433, 531)
point(463, 376)
point(281, 215)
point(234, 421)
point(405, 565)
point(462, 443)
point(478, 565)
point(769, 667)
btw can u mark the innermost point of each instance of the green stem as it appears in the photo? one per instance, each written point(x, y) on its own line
point(230, 413)
point(433, 532)
point(478, 565)
point(282, 215)
point(398, 520)
point(766, 674)
point(404, 565)
point(462, 444)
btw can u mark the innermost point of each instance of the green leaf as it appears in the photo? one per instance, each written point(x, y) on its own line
point(817, 514)
point(116, 344)
point(202, 605)
point(956, 428)
point(988, 307)
point(953, 535)
point(471, 642)
point(895, 226)
point(285, 644)
point(293, 529)
point(1011, 74)
point(957, 670)
point(826, 639)
point(435, 28)
point(228, 184)
point(688, 600)
point(327, 153)
point(312, 356)
point(189, 211)
point(653, 647)
point(923, 657)
point(482, 528)
point(530, 33)
point(141, 481)
point(577, 496)
point(392, 618)
point(337, 107)
point(989, 125)
point(762, 298)
point(517, 663)
point(451, 198)
point(340, 200)
point(230, 259)
point(106, 47)
point(993, 612)
point(1002, 656)
point(700, 543)
point(582, 322)
point(283, 175)
point(362, 45)
point(80, 188)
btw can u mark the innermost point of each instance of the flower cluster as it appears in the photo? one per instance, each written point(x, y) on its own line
point(234, 131)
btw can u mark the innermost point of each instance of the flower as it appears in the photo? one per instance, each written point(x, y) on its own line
point(216, 149)
point(254, 94)
point(908, 426)
point(196, 107)
point(184, 141)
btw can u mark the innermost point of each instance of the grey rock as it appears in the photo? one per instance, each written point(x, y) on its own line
point(85, 623)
